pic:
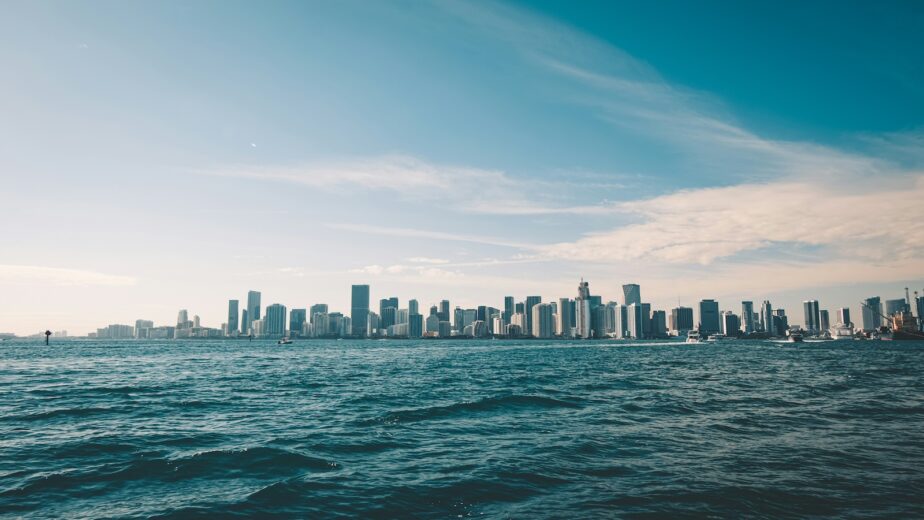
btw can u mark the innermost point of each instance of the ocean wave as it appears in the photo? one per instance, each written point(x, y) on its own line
point(489, 404)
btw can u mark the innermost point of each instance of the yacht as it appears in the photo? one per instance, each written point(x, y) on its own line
point(842, 331)
point(693, 336)
point(794, 335)
point(284, 341)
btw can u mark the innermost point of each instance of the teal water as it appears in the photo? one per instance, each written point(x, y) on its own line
point(443, 429)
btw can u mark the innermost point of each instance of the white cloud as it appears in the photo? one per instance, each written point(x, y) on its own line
point(409, 271)
point(56, 276)
point(427, 260)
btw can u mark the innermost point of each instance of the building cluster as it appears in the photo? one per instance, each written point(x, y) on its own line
point(584, 316)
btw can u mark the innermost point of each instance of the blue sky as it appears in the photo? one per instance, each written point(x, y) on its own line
point(168, 155)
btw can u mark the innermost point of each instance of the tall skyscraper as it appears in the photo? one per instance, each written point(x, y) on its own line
point(919, 306)
point(632, 293)
point(766, 317)
point(245, 329)
point(634, 324)
point(872, 311)
point(413, 307)
point(232, 317)
point(444, 311)
point(253, 309)
point(843, 316)
point(583, 321)
point(182, 318)
point(530, 302)
point(658, 324)
point(508, 309)
point(824, 322)
point(894, 306)
point(682, 320)
point(748, 318)
point(297, 320)
point(731, 324)
point(543, 325)
point(709, 320)
point(275, 323)
point(565, 317)
point(812, 315)
point(388, 317)
point(316, 310)
point(359, 309)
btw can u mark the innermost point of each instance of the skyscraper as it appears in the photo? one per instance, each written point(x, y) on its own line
point(316, 310)
point(766, 317)
point(731, 324)
point(709, 320)
point(634, 323)
point(748, 319)
point(894, 306)
point(658, 324)
point(919, 306)
point(297, 320)
point(824, 322)
point(232, 317)
point(812, 315)
point(413, 307)
point(253, 309)
point(632, 293)
point(843, 317)
point(388, 317)
point(564, 317)
point(275, 323)
point(508, 309)
point(359, 309)
point(543, 326)
point(872, 311)
point(444, 310)
point(583, 320)
point(182, 318)
point(682, 320)
point(530, 302)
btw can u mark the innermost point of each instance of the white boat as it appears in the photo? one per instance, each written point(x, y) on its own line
point(841, 331)
point(284, 341)
point(693, 336)
point(717, 337)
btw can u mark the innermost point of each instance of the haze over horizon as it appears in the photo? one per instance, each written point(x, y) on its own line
point(158, 156)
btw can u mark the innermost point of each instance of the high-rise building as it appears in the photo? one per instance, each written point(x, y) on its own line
point(766, 318)
point(297, 320)
point(682, 320)
point(142, 328)
point(780, 322)
point(530, 302)
point(389, 317)
point(274, 325)
point(824, 320)
point(564, 317)
point(315, 310)
point(709, 320)
point(458, 317)
point(413, 307)
point(444, 310)
point(253, 309)
point(812, 315)
point(872, 313)
point(748, 318)
point(632, 293)
point(232, 317)
point(634, 325)
point(583, 321)
point(843, 317)
point(542, 323)
point(895, 306)
point(658, 324)
point(731, 324)
point(359, 309)
point(372, 324)
point(508, 309)
point(245, 329)
point(182, 319)
point(415, 325)
point(919, 306)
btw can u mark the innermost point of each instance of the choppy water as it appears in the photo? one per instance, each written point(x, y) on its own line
point(462, 428)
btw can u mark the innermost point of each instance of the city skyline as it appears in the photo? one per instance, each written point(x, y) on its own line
point(172, 152)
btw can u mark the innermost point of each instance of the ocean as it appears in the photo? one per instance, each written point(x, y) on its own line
point(456, 429)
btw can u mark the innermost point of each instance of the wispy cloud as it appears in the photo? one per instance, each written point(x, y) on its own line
point(430, 235)
point(56, 276)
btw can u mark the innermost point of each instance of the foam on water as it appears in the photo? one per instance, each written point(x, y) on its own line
point(472, 428)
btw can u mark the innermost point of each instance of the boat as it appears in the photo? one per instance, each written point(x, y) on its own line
point(794, 335)
point(904, 328)
point(716, 337)
point(693, 336)
point(842, 331)
point(284, 341)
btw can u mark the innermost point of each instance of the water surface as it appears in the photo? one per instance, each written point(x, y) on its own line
point(442, 429)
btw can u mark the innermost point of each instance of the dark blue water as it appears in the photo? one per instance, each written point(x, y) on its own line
point(462, 428)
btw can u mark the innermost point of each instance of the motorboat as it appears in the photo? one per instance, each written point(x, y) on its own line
point(693, 336)
point(284, 341)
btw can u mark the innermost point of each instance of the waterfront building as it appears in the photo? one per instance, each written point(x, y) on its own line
point(632, 293)
point(731, 324)
point(766, 318)
point(658, 324)
point(245, 328)
point(468, 316)
point(233, 313)
point(444, 310)
point(458, 318)
point(372, 324)
point(582, 318)
point(634, 325)
point(498, 327)
point(919, 308)
point(622, 321)
point(519, 319)
point(142, 327)
point(531, 301)
point(433, 324)
point(297, 320)
point(182, 319)
point(275, 321)
point(843, 317)
point(389, 316)
point(316, 309)
point(413, 307)
point(256, 326)
point(748, 318)
point(780, 322)
point(871, 311)
point(682, 320)
point(253, 309)
point(824, 322)
point(542, 323)
point(812, 316)
point(508, 309)
point(709, 318)
point(445, 329)
point(895, 306)
point(359, 309)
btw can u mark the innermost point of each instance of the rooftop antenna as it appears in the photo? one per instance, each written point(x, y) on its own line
point(47, 335)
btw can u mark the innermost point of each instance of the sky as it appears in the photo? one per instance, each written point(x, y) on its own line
point(164, 155)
